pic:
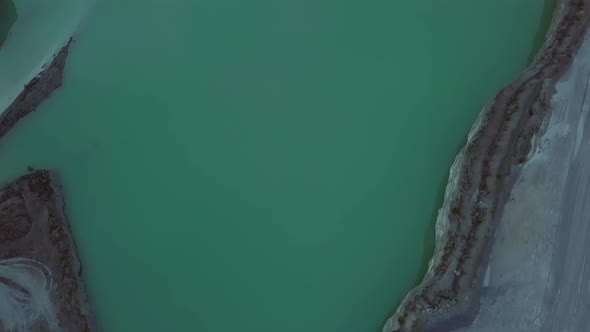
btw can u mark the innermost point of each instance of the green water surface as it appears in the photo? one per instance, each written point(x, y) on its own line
point(7, 18)
point(265, 165)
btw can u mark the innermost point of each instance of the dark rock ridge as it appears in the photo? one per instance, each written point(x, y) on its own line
point(33, 225)
point(35, 92)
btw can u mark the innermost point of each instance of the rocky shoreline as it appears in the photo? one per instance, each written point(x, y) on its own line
point(481, 180)
point(482, 177)
point(35, 92)
point(34, 228)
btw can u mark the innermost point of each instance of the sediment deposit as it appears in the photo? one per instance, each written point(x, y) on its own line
point(482, 180)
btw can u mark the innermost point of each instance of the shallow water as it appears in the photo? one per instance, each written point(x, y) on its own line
point(40, 31)
point(265, 165)
point(7, 18)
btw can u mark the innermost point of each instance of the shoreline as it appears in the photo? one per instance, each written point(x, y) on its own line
point(34, 41)
point(34, 229)
point(480, 182)
point(35, 91)
point(513, 133)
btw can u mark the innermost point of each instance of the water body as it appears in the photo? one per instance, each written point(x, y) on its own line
point(266, 165)
point(7, 18)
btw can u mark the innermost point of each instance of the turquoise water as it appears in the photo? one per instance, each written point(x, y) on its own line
point(7, 18)
point(265, 165)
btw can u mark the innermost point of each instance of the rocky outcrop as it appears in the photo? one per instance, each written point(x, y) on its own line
point(35, 92)
point(34, 227)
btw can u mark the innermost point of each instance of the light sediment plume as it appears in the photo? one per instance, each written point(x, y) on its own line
point(25, 287)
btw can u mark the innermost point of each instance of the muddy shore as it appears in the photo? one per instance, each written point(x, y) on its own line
point(481, 180)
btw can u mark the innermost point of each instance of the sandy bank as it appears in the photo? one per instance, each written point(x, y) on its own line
point(482, 182)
